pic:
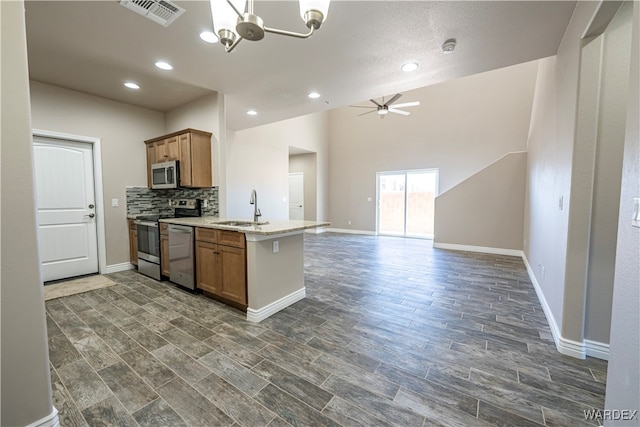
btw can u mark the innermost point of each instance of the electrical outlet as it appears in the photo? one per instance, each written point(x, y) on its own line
point(349, 222)
point(276, 247)
point(543, 272)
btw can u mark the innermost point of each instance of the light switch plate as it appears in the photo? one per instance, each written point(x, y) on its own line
point(276, 246)
point(635, 220)
point(114, 203)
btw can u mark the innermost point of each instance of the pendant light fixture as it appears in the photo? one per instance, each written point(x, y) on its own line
point(235, 20)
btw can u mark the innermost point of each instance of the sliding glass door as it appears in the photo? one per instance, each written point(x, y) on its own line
point(406, 202)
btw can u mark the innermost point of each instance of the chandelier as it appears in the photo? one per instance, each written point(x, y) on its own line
point(234, 20)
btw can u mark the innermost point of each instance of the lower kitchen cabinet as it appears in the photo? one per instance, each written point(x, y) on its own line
point(233, 273)
point(133, 241)
point(206, 267)
point(221, 269)
point(164, 249)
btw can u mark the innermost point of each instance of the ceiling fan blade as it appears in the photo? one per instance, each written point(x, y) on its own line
point(375, 102)
point(393, 99)
point(363, 106)
point(404, 113)
point(407, 104)
point(368, 112)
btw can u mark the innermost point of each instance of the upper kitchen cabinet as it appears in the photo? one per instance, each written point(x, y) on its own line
point(192, 148)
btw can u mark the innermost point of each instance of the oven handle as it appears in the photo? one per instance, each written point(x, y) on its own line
point(148, 224)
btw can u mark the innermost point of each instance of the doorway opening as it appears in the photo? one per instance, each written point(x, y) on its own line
point(405, 201)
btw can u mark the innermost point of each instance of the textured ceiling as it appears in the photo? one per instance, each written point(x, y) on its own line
point(94, 46)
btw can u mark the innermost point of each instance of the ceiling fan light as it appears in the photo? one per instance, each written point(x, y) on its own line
point(314, 12)
point(383, 111)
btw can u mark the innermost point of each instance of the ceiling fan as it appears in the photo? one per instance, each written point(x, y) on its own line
point(383, 108)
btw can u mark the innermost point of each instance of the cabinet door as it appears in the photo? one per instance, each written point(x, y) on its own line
point(164, 255)
point(233, 274)
point(151, 159)
point(172, 148)
point(186, 171)
point(167, 149)
point(133, 246)
point(207, 271)
point(200, 160)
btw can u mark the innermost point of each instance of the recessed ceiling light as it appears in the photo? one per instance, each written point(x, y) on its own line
point(164, 65)
point(209, 37)
point(132, 85)
point(252, 112)
point(412, 66)
point(314, 95)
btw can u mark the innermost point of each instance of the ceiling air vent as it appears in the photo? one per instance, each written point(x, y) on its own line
point(161, 11)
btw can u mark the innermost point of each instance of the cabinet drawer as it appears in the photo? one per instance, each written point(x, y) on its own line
point(206, 234)
point(231, 238)
point(164, 228)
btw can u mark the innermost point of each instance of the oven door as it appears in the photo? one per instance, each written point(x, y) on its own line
point(148, 241)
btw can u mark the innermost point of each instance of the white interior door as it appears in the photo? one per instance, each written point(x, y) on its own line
point(65, 194)
point(296, 195)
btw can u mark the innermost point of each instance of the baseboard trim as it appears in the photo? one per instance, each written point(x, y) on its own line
point(284, 302)
point(566, 346)
point(482, 249)
point(316, 230)
point(50, 420)
point(350, 231)
point(115, 268)
point(597, 349)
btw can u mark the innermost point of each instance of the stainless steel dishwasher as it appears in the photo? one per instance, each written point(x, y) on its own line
point(181, 256)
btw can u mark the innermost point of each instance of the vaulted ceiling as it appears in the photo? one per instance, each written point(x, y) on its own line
point(95, 46)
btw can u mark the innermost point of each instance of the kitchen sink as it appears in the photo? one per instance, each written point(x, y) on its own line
point(240, 223)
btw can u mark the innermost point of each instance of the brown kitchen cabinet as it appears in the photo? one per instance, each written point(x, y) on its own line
point(164, 249)
point(192, 148)
point(133, 241)
point(221, 265)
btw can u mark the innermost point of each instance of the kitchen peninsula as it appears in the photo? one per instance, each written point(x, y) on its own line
point(274, 258)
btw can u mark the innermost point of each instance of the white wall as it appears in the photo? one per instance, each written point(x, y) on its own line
point(460, 127)
point(122, 129)
point(545, 224)
point(487, 209)
point(614, 89)
point(623, 376)
point(258, 158)
point(550, 151)
point(575, 154)
point(26, 382)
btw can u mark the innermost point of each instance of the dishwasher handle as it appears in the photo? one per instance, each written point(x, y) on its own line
point(183, 229)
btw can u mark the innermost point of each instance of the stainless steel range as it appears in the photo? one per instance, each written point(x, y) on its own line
point(149, 234)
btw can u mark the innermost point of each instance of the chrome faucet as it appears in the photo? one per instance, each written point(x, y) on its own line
point(254, 202)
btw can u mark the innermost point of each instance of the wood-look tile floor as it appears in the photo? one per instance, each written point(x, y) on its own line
point(392, 332)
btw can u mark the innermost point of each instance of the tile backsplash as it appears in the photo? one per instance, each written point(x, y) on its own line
point(142, 200)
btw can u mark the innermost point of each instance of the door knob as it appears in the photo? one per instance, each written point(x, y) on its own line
point(91, 206)
point(91, 215)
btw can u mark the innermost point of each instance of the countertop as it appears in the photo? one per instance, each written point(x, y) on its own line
point(272, 228)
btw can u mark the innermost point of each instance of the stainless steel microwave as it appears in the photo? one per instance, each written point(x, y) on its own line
point(165, 175)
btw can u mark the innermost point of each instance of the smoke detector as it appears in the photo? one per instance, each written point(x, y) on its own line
point(448, 46)
point(162, 12)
